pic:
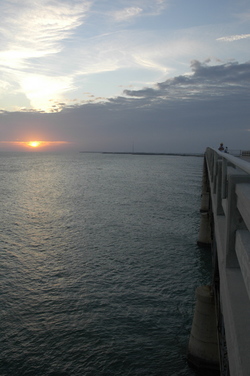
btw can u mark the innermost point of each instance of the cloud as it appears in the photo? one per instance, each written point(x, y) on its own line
point(35, 29)
point(127, 13)
point(40, 88)
point(32, 32)
point(155, 7)
point(138, 7)
point(185, 113)
point(233, 38)
point(205, 81)
point(46, 58)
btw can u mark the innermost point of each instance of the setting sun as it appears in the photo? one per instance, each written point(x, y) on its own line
point(34, 144)
point(37, 145)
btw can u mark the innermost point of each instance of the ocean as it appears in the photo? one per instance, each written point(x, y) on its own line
point(99, 263)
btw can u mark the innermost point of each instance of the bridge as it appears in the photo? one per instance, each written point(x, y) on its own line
point(220, 334)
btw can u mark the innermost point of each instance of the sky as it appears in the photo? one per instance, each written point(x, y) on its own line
point(163, 76)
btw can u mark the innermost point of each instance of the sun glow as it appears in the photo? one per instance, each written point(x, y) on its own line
point(37, 145)
point(34, 144)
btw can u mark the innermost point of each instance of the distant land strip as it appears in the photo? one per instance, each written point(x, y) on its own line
point(143, 153)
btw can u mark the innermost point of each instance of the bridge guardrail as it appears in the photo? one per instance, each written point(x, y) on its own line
point(226, 180)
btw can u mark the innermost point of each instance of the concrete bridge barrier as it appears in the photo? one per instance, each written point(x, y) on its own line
point(225, 227)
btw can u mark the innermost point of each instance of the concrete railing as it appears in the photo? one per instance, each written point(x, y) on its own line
point(225, 224)
point(239, 153)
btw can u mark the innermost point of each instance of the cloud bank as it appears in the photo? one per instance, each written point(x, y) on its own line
point(186, 113)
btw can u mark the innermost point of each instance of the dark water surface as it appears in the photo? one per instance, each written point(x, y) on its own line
point(99, 263)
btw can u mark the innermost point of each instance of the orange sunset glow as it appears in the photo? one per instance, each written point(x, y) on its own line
point(41, 144)
point(36, 145)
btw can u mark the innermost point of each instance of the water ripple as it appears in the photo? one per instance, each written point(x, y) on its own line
point(99, 264)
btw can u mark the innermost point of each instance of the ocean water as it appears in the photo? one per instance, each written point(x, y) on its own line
point(99, 263)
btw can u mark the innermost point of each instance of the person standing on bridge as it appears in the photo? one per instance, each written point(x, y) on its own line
point(221, 147)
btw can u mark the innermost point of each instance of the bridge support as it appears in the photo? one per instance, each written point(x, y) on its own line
point(204, 237)
point(203, 350)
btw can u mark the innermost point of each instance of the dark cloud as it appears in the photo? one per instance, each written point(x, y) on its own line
point(223, 73)
point(204, 80)
point(185, 113)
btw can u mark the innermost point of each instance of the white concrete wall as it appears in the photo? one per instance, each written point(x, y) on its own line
point(230, 194)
